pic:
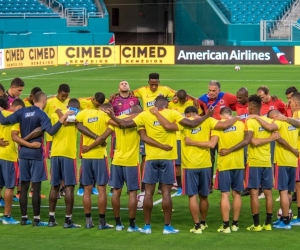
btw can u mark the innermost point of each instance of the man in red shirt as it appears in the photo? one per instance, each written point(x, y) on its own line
point(218, 100)
point(289, 92)
point(269, 102)
point(242, 103)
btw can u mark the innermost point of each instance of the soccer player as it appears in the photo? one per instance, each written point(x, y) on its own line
point(94, 164)
point(29, 100)
point(15, 89)
point(286, 161)
point(196, 164)
point(63, 166)
point(9, 162)
point(159, 164)
point(180, 104)
point(217, 99)
point(289, 92)
point(269, 102)
point(31, 160)
point(125, 165)
point(91, 102)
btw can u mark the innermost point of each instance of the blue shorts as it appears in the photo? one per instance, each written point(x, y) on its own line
point(94, 171)
point(121, 174)
point(142, 148)
point(257, 177)
point(227, 179)
point(196, 181)
point(63, 168)
point(159, 171)
point(8, 174)
point(112, 145)
point(285, 178)
point(33, 170)
point(178, 160)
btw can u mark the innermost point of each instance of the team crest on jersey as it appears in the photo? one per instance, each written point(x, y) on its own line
point(195, 130)
point(131, 103)
point(150, 104)
point(233, 128)
point(271, 107)
point(290, 128)
point(156, 123)
point(94, 119)
point(260, 129)
point(221, 101)
point(29, 114)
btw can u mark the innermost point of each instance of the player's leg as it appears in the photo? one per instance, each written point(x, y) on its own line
point(178, 169)
point(143, 163)
point(237, 186)
point(296, 222)
point(267, 185)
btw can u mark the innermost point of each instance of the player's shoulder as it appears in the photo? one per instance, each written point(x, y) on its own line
point(84, 98)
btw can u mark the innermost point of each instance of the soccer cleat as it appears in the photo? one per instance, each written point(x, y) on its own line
point(9, 221)
point(42, 195)
point(110, 194)
point(95, 191)
point(80, 192)
point(278, 199)
point(196, 231)
point(39, 223)
point(234, 228)
point(25, 222)
point(295, 222)
point(52, 223)
point(246, 192)
point(133, 229)
point(15, 198)
point(62, 191)
point(146, 229)
point(261, 196)
point(267, 227)
point(89, 225)
point(170, 230)
point(119, 227)
point(203, 226)
point(105, 226)
point(254, 228)
point(158, 191)
point(2, 202)
point(224, 230)
point(179, 192)
point(174, 187)
point(18, 195)
point(72, 225)
point(281, 225)
point(276, 222)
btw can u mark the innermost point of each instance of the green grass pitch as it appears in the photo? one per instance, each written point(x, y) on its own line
point(84, 82)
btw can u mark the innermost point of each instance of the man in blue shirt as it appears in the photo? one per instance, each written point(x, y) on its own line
point(31, 160)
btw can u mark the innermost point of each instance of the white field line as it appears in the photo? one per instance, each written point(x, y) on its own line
point(108, 208)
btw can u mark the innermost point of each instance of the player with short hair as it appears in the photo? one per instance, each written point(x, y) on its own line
point(91, 102)
point(63, 166)
point(94, 163)
point(31, 160)
point(289, 92)
point(9, 162)
point(269, 102)
point(29, 100)
point(15, 90)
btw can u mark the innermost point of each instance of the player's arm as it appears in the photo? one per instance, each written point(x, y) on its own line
point(292, 121)
point(99, 140)
point(113, 123)
point(262, 141)
point(202, 144)
point(227, 123)
point(52, 130)
point(11, 119)
point(15, 137)
point(246, 140)
point(288, 147)
point(196, 122)
point(60, 114)
point(85, 131)
point(268, 126)
point(121, 122)
point(34, 134)
point(152, 142)
point(172, 126)
point(3, 143)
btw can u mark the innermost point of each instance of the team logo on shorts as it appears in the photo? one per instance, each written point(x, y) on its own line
point(230, 129)
point(156, 123)
point(94, 119)
point(29, 114)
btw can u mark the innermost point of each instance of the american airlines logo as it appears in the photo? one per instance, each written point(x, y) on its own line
point(94, 119)
point(230, 129)
point(280, 55)
point(195, 130)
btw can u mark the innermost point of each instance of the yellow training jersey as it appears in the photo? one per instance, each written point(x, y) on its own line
point(284, 157)
point(127, 146)
point(64, 142)
point(148, 97)
point(52, 105)
point(27, 103)
point(194, 157)
point(259, 156)
point(158, 133)
point(227, 139)
point(97, 122)
point(8, 153)
point(86, 103)
point(296, 115)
